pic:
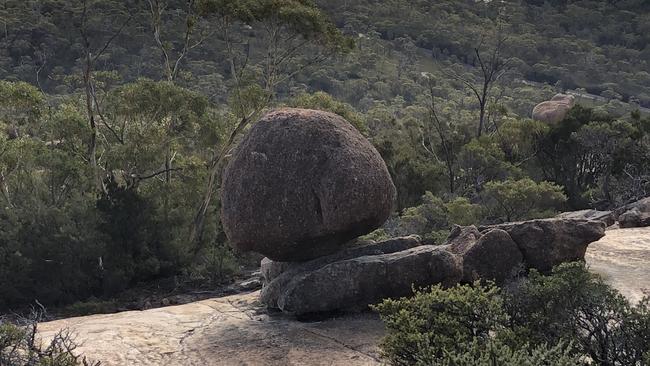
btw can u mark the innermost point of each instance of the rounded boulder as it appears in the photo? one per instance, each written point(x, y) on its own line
point(555, 110)
point(301, 184)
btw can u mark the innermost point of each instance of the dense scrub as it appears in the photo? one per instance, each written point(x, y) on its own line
point(564, 318)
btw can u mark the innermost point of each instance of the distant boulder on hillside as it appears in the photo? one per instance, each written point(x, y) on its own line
point(301, 184)
point(554, 110)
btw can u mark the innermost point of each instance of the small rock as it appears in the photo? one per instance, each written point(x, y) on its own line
point(271, 269)
point(250, 285)
point(462, 237)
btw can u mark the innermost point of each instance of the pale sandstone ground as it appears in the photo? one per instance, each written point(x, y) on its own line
point(235, 330)
point(622, 257)
point(232, 330)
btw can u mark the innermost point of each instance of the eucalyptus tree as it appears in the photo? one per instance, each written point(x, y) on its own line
point(287, 37)
point(97, 34)
point(492, 66)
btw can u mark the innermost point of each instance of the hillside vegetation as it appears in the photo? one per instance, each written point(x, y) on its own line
point(118, 117)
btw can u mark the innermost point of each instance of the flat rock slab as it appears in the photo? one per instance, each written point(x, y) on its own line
point(622, 257)
point(232, 330)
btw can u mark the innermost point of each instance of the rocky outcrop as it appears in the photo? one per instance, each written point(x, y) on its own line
point(355, 283)
point(636, 214)
point(608, 217)
point(273, 269)
point(554, 110)
point(490, 256)
point(356, 277)
point(634, 218)
point(642, 205)
point(301, 184)
point(548, 242)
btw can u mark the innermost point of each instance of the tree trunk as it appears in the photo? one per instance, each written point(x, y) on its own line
point(481, 121)
point(450, 171)
point(607, 194)
point(196, 232)
point(92, 143)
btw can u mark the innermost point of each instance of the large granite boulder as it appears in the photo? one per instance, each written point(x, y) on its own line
point(301, 184)
point(361, 276)
point(492, 255)
point(554, 110)
point(546, 243)
point(608, 217)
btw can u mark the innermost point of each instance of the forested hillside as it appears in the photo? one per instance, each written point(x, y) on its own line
point(118, 117)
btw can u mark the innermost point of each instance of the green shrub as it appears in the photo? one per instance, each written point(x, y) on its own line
point(574, 304)
point(461, 211)
point(375, 236)
point(437, 321)
point(512, 200)
point(571, 310)
point(216, 264)
point(429, 216)
point(496, 353)
point(323, 101)
point(436, 237)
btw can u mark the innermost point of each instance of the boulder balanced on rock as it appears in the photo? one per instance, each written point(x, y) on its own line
point(301, 184)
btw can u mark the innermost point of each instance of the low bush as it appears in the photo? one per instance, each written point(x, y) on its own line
point(21, 346)
point(564, 318)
